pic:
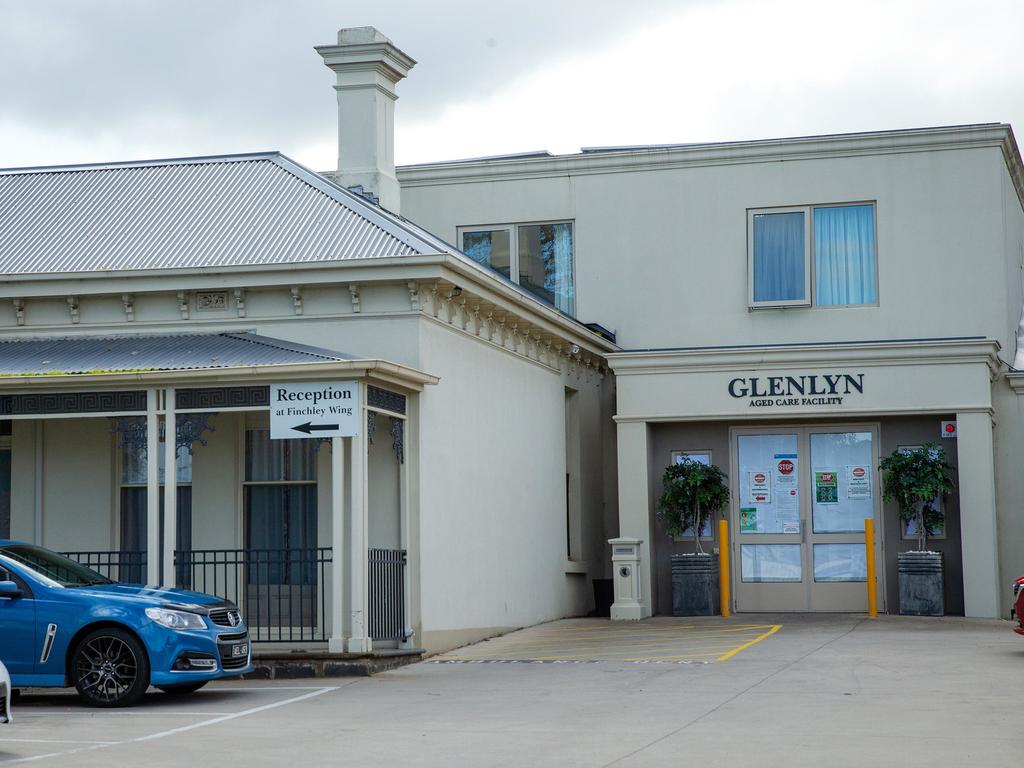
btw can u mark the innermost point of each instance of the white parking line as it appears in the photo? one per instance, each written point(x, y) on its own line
point(28, 712)
point(313, 692)
point(243, 713)
point(58, 741)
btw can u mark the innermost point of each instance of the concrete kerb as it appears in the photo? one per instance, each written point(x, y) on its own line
point(280, 665)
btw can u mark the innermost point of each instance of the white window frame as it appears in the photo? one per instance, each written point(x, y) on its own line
point(513, 248)
point(811, 301)
point(806, 302)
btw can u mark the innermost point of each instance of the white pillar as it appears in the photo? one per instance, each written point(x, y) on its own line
point(978, 536)
point(360, 641)
point(336, 644)
point(635, 501)
point(152, 488)
point(170, 487)
point(404, 528)
point(37, 527)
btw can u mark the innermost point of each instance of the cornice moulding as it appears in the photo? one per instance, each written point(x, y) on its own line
point(767, 150)
point(756, 358)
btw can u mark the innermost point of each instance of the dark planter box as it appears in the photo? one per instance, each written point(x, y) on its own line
point(695, 585)
point(604, 596)
point(921, 584)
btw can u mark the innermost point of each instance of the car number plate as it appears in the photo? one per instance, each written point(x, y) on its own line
point(239, 649)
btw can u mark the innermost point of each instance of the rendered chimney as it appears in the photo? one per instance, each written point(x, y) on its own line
point(368, 67)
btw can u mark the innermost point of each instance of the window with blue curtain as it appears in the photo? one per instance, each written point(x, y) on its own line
point(844, 260)
point(844, 255)
point(779, 258)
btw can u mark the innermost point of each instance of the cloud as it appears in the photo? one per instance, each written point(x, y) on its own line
point(208, 76)
point(94, 80)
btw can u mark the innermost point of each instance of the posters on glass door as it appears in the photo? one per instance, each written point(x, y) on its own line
point(748, 520)
point(858, 482)
point(760, 486)
point(787, 492)
point(826, 487)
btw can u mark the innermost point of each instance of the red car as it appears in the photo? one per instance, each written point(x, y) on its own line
point(1018, 605)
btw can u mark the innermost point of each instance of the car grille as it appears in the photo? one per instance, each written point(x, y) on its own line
point(224, 643)
point(226, 617)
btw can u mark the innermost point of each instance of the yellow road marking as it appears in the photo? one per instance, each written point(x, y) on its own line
point(725, 657)
point(632, 644)
point(610, 652)
point(613, 647)
point(550, 640)
point(647, 628)
point(681, 657)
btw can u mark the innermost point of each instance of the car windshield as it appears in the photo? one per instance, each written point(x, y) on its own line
point(54, 567)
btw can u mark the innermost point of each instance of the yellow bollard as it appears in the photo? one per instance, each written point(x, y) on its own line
point(723, 565)
point(869, 544)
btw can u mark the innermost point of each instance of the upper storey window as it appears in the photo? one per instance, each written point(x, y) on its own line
point(539, 257)
point(813, 256)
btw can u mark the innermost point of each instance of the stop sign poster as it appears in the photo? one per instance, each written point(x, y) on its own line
point(826, 487)
point(760, 485)
point(858, 482)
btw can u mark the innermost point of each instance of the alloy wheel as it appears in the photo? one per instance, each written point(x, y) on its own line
point(106, 668)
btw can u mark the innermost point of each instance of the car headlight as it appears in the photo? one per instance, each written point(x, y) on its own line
point(175, 619)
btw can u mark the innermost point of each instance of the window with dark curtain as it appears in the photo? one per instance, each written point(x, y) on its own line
point(280, 509)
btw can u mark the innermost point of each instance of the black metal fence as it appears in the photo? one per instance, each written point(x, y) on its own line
point(126, 567)
point(387, 594)
point(283, 593)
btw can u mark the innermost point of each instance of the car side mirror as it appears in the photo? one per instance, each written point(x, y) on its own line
point(9, 590)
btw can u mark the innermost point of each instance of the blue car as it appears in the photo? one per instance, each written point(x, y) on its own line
point(64, 624)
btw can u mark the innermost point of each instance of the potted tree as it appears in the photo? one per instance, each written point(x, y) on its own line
point(693, 494)
point(915, 479)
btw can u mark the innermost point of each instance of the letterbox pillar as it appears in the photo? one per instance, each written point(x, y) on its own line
point(626, 578)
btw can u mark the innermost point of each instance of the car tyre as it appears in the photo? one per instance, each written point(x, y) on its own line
point(110, 668)
point(183, 689)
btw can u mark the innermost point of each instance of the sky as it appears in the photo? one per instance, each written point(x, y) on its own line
point(104, 80)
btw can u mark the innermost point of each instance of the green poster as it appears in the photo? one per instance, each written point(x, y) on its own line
point(748, 519)
point(826, 487)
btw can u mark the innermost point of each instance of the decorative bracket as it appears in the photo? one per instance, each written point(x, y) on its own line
point(19, 311)
point(297, 299)
point(356, 300)
point(183, 304)
point(128, 300)
point(414, 295)
point(240, 301)
point(73, 308)
point(398, 439)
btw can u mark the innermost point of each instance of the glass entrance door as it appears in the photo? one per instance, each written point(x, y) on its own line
point(800, 496)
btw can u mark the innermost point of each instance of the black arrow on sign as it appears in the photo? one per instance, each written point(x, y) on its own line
point(310, 427)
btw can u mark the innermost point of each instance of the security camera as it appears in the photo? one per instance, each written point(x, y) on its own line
point(574, 348)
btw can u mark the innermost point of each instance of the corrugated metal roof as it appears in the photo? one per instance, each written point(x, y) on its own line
point(144, 352)
point(233, 210)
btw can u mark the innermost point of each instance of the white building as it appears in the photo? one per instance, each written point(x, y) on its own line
point(502, 440)
point(821, 301)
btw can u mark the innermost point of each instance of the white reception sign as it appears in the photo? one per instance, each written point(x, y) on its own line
point(314, 409)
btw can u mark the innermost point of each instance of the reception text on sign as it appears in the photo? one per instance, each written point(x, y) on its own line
point(314, 409)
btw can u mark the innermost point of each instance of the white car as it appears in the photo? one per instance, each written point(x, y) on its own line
point(5, 695)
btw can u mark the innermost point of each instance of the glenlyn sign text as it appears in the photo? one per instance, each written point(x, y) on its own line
point(801, 390)
point(320, 409)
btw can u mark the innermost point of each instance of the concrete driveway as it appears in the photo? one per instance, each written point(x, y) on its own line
point(821, 690)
